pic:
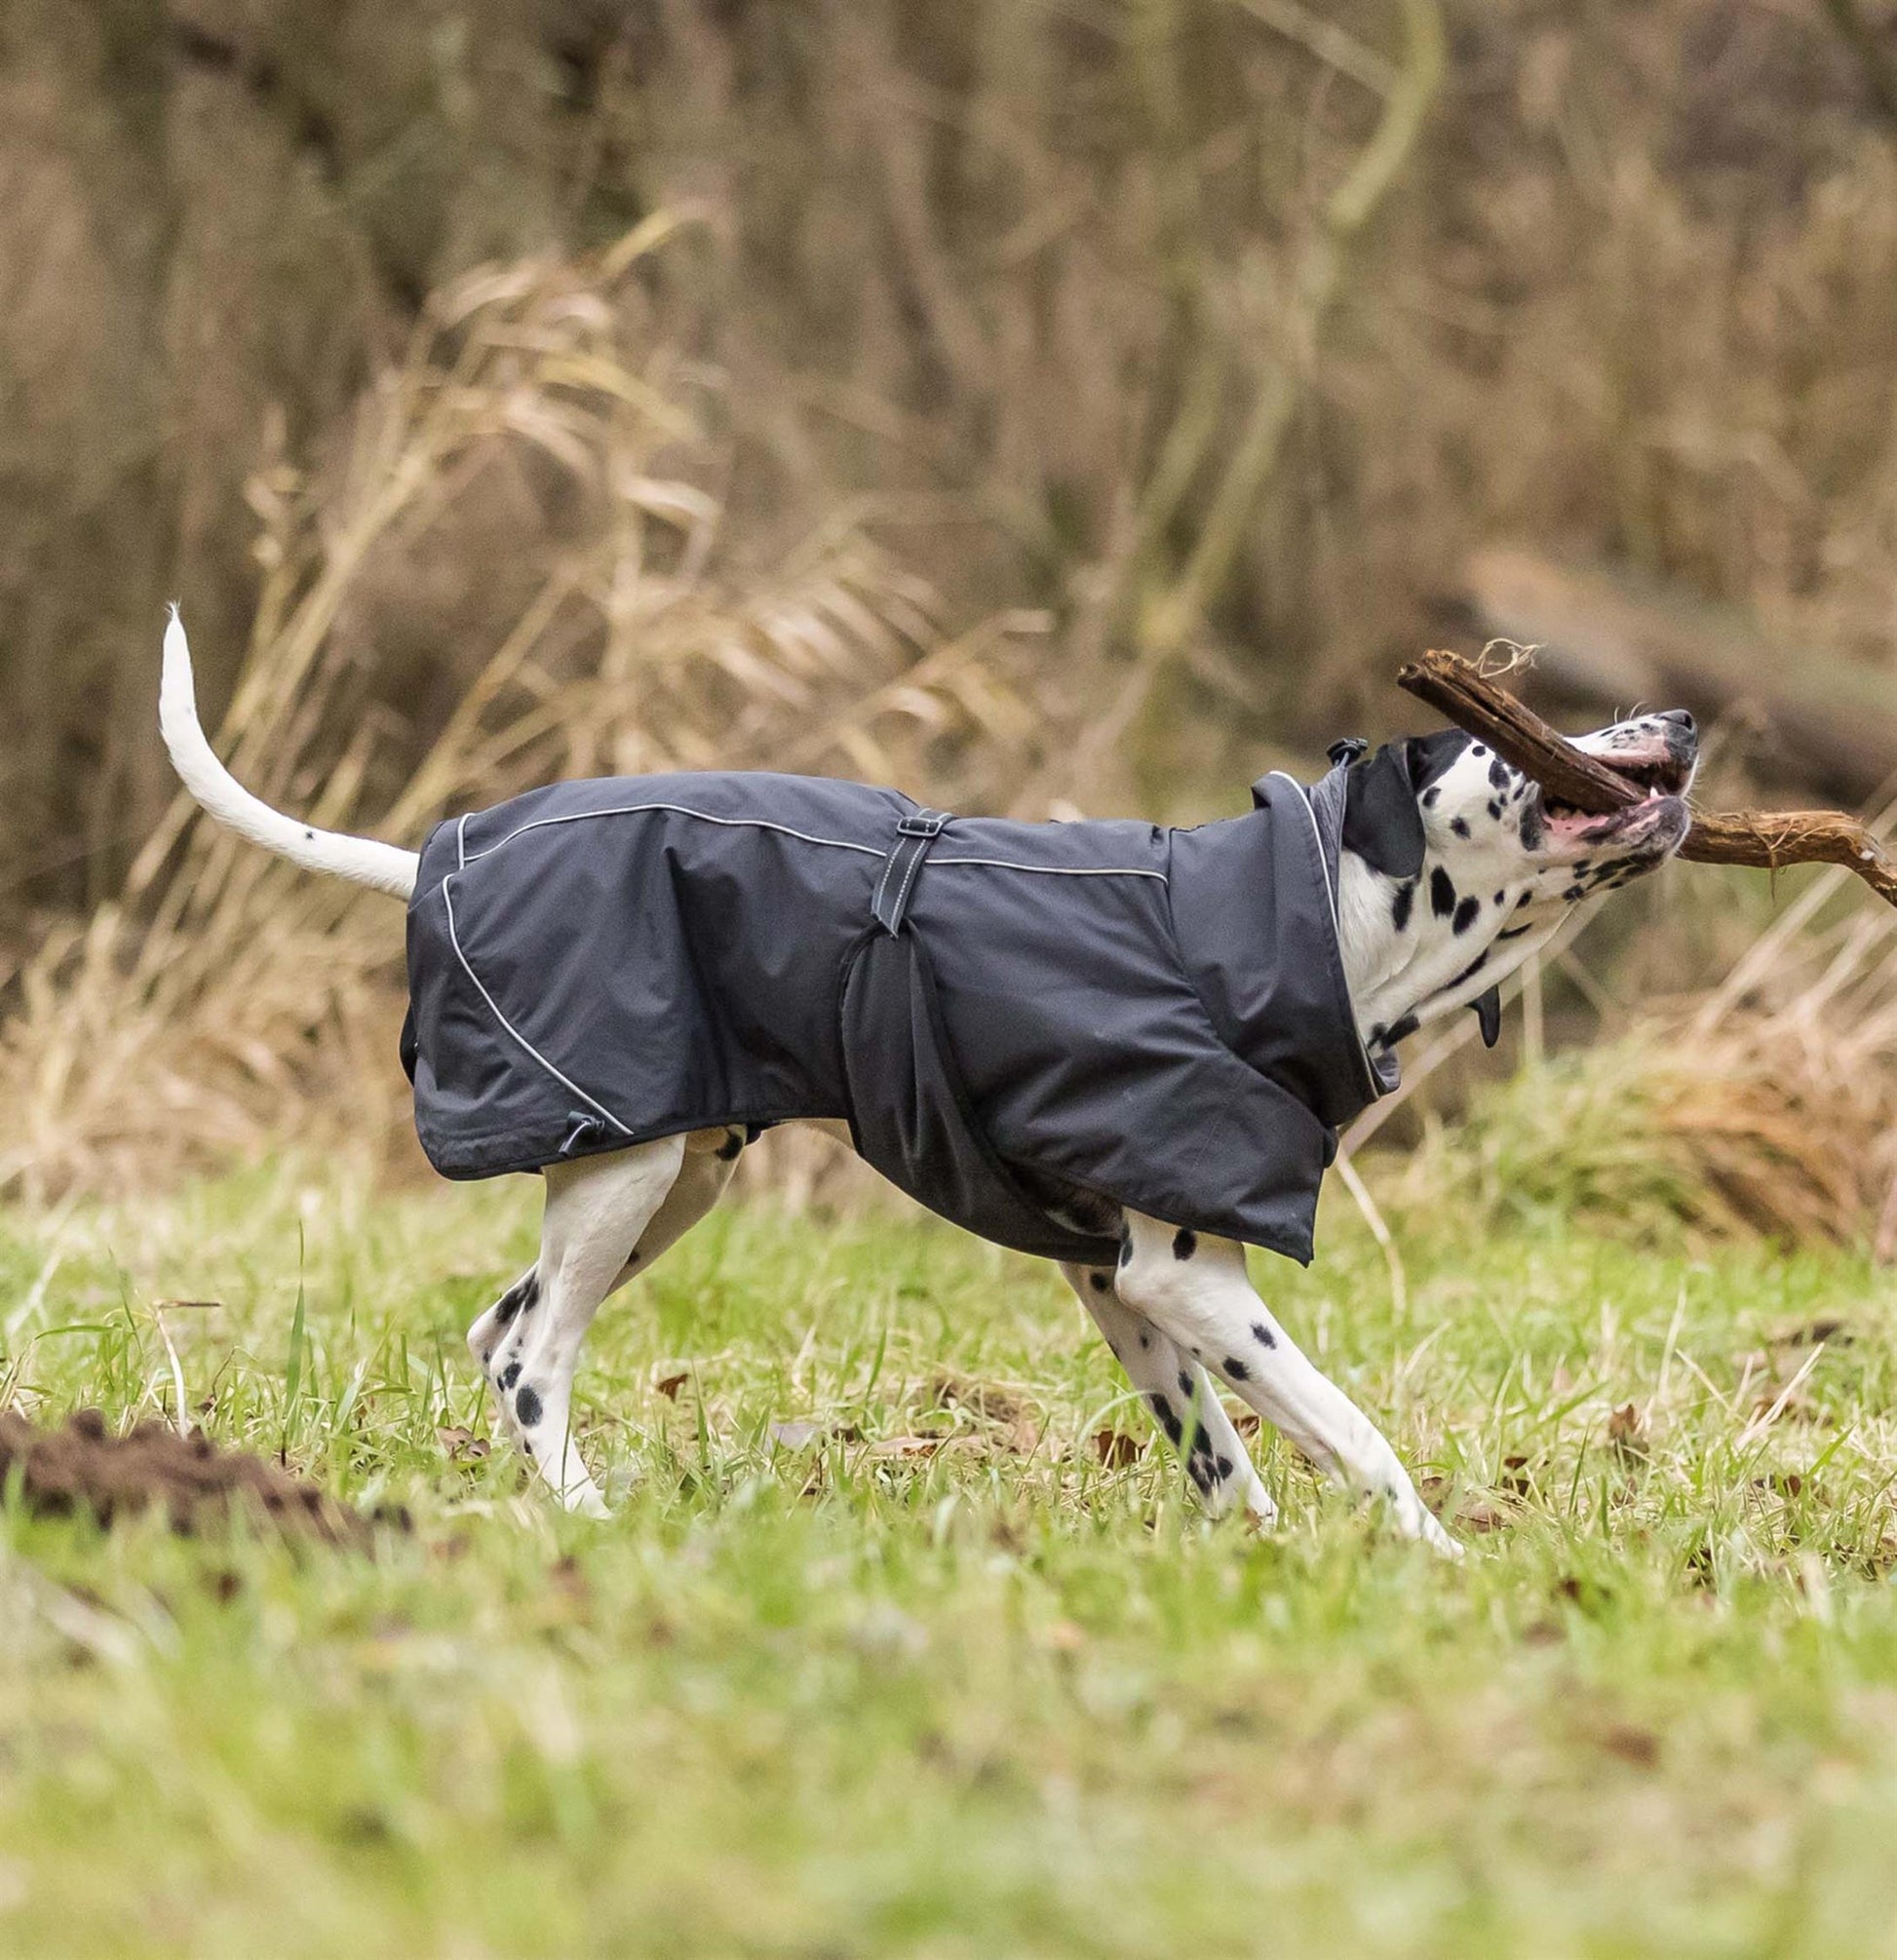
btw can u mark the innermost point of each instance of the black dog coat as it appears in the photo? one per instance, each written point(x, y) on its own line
point(1158, 1016)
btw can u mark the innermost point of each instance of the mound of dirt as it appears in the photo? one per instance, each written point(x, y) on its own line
point(83, 1467)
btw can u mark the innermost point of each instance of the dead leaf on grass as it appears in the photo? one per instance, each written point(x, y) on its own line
point(1814, 1332)
point(1480, 1515)
point(1634, 1745)
point(670, 1385)
point(1476, 1512)
point(904, 1446)
point(1009, 1416)
point(1627, 1432)
point(462, 1445)
point(1787, 1402)
point(1117, 1450)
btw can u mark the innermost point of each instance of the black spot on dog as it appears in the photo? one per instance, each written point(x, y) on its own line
point(1497, 773)
point(1099, 1282)
point(487, 1355)
point(1185, 1241)
point(1263, 1335)
point(526, 1405)
point(734, 1142)
point(1185, 1384)
point(1168, 1421)
point(1406, 896)
point(1461, 826)
point(1514, 931)
point(1500, 899)
point(1575, 892)
point(510, 1374)
point(1402, 1031)
point(1237, 1368)
point(1584, 865)
point(1429, 798)
point(1495, 809)
point(1224, 1466)
point(521, 1297)
point(1442, 892)
point(1466, 915)
point(1126, 1249)
point(1145, 1340)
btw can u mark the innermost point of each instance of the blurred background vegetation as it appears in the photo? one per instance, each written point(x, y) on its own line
point(1053, 405)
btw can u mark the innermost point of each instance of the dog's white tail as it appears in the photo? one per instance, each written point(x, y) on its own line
point(361, 859)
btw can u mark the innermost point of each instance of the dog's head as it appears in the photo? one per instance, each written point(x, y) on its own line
point(1456, 867)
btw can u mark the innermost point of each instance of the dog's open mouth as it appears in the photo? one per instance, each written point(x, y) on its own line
point(1655, 824)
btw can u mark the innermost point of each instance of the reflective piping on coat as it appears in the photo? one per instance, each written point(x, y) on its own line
point(455, 940)
point(1058, 870)
point(678, 809)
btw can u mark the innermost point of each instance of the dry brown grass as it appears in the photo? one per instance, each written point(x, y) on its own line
point(1769, 1105)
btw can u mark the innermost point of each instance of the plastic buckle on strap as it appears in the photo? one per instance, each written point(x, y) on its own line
point(914, 834)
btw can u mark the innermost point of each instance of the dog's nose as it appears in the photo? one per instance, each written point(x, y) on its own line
point(1681, 720)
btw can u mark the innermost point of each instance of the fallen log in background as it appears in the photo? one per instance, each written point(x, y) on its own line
point(1763, 839)
point(1605, 633)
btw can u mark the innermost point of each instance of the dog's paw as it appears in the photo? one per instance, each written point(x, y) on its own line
point(1415, 1520)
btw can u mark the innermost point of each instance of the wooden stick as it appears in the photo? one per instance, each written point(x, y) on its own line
point(1764, 839)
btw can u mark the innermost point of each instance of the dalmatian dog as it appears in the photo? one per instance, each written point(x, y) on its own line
point(1453, 869)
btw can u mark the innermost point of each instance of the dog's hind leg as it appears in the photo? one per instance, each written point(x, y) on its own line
point(1180, 1397)
point(710, 1157)
point(498, 1339)
point(598, 1210)
point(1195, 1288)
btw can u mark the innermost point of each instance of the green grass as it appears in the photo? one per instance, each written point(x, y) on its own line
point(1002, 1699)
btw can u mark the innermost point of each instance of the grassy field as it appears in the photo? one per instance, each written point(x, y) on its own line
point(892, 1648)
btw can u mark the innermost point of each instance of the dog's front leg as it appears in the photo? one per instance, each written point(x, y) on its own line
point(1195, 1288)
point(1179, 1398)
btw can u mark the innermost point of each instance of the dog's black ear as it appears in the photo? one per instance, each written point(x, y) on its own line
point(1382, 822)
point(1489, 1015)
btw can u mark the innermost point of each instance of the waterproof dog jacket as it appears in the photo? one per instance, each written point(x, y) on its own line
point(1158, 1016)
